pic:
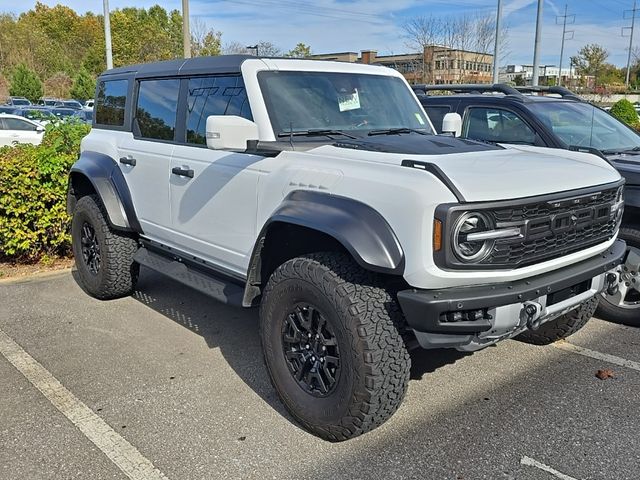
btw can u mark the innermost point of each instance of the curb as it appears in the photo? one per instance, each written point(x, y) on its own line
point(34, 277)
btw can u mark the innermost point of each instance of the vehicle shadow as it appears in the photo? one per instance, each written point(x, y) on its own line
point(235, 332)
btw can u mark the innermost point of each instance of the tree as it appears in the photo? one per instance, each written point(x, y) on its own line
point(300, 51)
point(590, 60)
point(519, 81)
point(204, 41)
point(58, 85)
point(268, 49)
point(623, 110)
point(235, 48)
point(84, 86)
point(25, 83)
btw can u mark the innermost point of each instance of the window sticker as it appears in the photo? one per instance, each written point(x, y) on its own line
point(419, 118)
point(349, 101)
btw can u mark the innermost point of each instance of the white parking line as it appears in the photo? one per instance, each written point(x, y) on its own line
point(124, 455)
point(623, 362)
point(530, 462)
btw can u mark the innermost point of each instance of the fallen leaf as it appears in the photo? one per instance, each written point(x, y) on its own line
point(604, 374)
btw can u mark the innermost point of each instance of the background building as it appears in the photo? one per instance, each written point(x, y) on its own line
point(436, 64)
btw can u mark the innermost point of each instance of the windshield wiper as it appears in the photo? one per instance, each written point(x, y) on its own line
point(315, 133)
point(615, 151)
point(397, 131)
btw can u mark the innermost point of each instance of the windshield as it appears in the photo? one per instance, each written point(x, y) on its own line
point(583, 125)
point(357, 103)
point(21, 101)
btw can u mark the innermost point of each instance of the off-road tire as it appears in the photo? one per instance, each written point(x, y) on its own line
point(561, 327)
point(366, 318)
point(118, 272)
point(614, 313)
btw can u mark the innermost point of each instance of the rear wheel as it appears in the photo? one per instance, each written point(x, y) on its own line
point(624, 306)
point(562, 327)
point(104, 257)
point(332, 345)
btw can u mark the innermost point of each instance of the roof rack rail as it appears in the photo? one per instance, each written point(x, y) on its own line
point(557, 90)
point(468, 88)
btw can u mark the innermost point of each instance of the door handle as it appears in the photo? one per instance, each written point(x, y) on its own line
point(128, 161)
point(182, 172)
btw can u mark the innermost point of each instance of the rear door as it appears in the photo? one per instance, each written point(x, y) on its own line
point(16, 130)
point(145, 153)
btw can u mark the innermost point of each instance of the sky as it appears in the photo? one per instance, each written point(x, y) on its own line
point(355, 25)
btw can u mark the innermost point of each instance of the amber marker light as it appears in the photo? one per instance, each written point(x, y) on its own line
point(437, 235)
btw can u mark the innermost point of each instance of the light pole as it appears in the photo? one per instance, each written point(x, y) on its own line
point(536, 48)
point(496, 48)
point(186, 34)
point(255, 47)
point(107, 34)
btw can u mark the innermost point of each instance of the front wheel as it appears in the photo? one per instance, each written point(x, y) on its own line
point(332, 345)
point(624, 306)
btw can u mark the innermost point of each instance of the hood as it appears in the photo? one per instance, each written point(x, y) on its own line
point(629, 168)
point(482, 172)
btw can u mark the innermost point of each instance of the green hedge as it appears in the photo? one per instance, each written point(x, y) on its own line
point(33, 183)
point(624, 111)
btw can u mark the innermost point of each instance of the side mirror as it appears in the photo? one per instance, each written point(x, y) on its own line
point(452, 124)
point(230, 132)
point(39, 129)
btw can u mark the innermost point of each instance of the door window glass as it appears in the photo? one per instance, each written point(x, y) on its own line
point(496, 125)
point(156, 109)
point(110, 102)
point(221, 95)
point(17, 124)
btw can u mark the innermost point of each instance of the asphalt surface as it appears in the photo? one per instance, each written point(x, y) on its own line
point(180, 377)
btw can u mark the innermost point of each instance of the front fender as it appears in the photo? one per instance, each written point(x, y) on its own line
point(102, 172)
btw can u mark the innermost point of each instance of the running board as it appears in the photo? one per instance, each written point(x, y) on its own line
point(222, 290)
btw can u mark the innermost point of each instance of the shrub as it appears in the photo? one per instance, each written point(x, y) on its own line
point(84, 86)
point(25, 83)
point(624, 111)
point(33, 185)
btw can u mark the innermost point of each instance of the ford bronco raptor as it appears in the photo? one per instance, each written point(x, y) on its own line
point(318, 192)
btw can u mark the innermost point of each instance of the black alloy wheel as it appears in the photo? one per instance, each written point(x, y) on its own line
point(311, 350)
point(90, 248)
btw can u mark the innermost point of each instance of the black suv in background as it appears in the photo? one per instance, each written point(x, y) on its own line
point(553, 117)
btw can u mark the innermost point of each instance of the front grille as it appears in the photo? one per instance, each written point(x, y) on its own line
point(554, 228)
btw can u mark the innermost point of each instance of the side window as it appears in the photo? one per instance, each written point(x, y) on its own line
point(17, 124)
point(436, 115)
point(496, 125)
point(110, 102)
point(221, 95)
point(156, 109)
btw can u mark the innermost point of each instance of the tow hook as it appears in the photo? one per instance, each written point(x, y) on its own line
point(612, 283)
point(530, 313)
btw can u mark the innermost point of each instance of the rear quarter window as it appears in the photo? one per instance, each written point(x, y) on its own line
point(110, 102)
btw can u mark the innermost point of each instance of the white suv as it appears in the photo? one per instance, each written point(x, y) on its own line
point(319, 192)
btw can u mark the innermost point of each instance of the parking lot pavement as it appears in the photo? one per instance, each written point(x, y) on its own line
point(180, 378)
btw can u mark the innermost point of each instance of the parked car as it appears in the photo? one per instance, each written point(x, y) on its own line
point(88, 105)
point(319, 192)
point(15, 129)
point(74, 104)
point(37, 113)
point(63, 113)
point(18, 101)
point(49, 102)
point(562, 121)
point(85, 115)
point(8, 109)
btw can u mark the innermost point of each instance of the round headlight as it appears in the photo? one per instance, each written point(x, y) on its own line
point(470, 250)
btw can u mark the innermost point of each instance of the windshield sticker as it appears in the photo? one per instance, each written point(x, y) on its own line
point(350, 101)
point(419, 118)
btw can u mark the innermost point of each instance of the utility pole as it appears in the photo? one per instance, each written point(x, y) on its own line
point(536, 48)
point(632, 28)
point(570, 19)
point(496, 48)
point(186, 34)
point(107, 34)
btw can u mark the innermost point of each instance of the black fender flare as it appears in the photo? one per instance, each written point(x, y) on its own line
point(359, 228)
point(109, 183)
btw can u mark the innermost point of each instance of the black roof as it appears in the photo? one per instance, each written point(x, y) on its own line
point(182, 66)
point(519, 94)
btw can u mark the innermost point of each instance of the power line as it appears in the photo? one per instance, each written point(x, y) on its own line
point(566, 19)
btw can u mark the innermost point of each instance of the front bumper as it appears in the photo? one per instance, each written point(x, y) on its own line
point(456, 315)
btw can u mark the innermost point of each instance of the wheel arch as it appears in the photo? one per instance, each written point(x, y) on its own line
point(307, 222)
point(97, 173)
